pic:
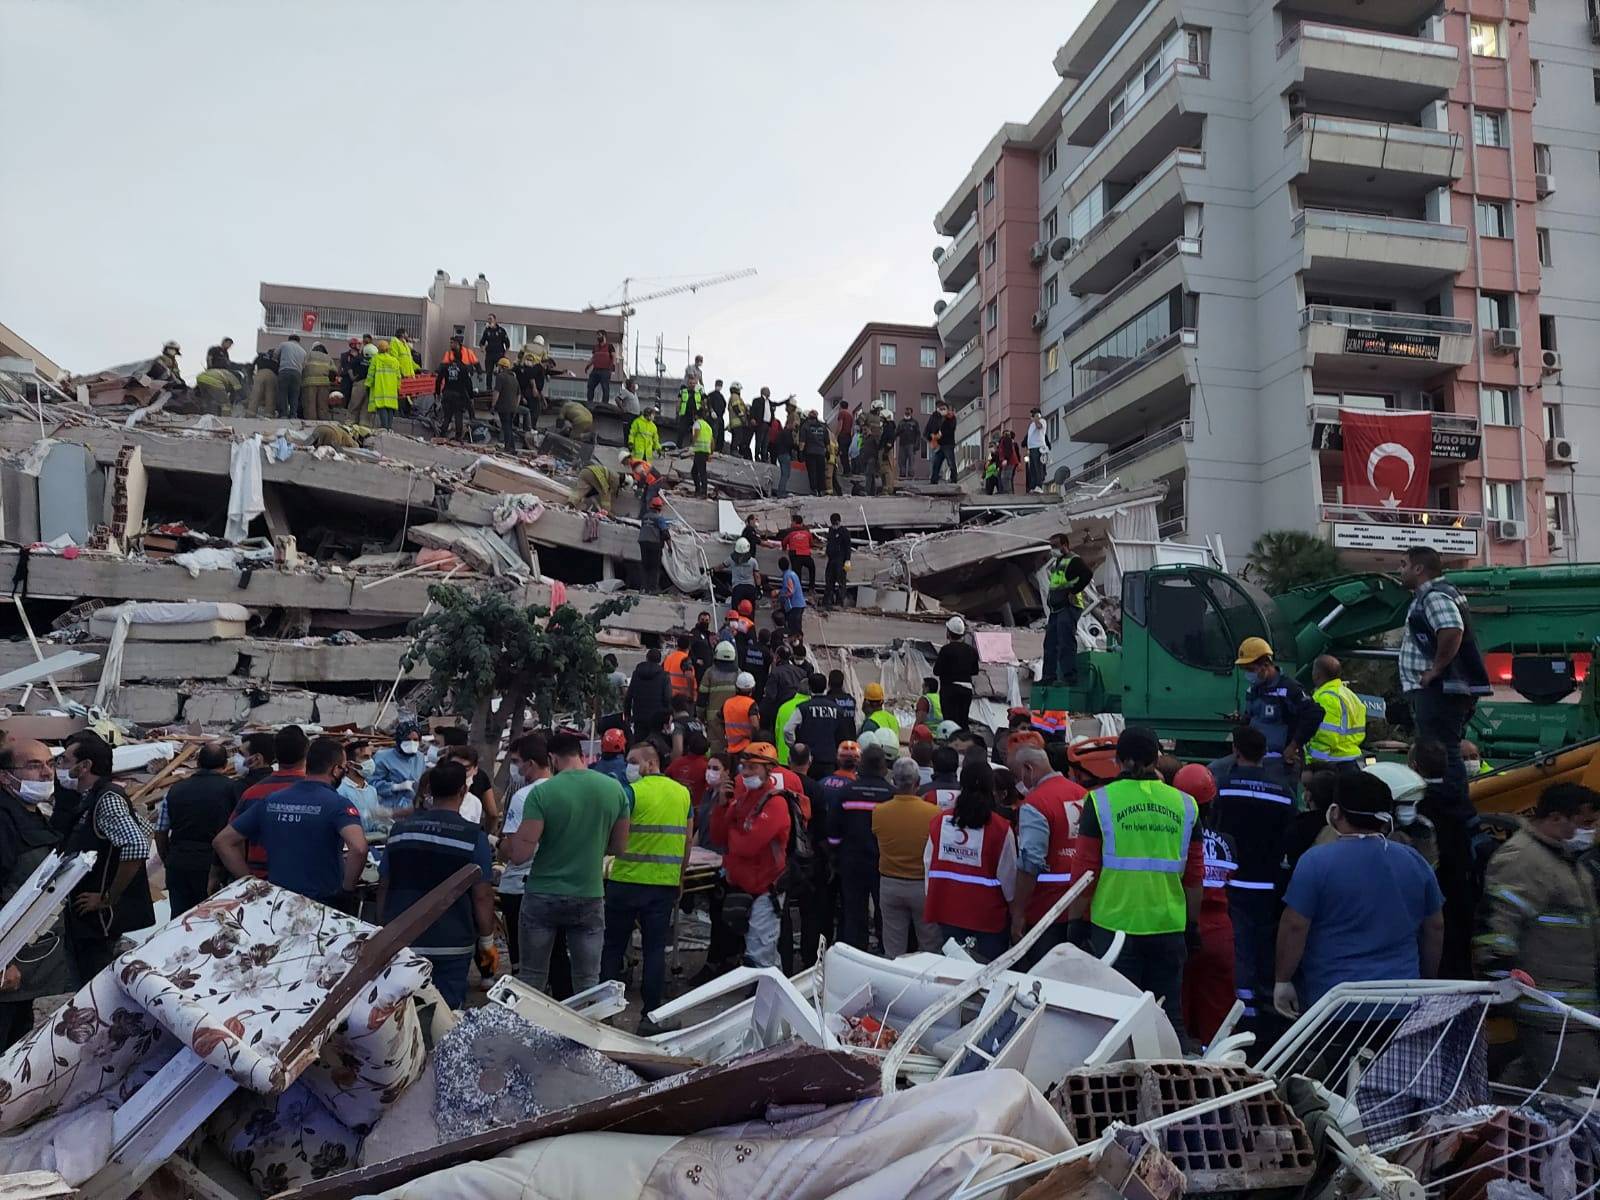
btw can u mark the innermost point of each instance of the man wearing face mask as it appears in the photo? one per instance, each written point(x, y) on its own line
point(1278, 706)
point(752, 820)
point(647, 877)
point(192, 813)
point(1359, 908)
point(396, 770)
point(43, 967)
point(252, 762)
point(114, 897)
point(1472, 760)
point(375, 817)
point(1047, 823)
point(1540, 921)
point(1411, 828)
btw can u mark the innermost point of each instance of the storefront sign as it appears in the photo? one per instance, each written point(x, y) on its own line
point(1460, 543)
point(1421, 346)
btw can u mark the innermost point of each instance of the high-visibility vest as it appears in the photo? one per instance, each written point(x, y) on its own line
point(935, 712)
point(1058, 578)
point(1344, 724)
point(680, 672)
point(738, 722)
point(884, 719)
point(1060, 802)
point(1145, 829)
point(644, 440)
point(962, 884)
point(785, 711)
point(702, 436)
point(657, 833)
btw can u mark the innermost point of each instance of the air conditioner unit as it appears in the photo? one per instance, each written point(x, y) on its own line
point(1037, 251)
point(938, 253)
point(1061, 247)
point(1550, 361)
point(1544, 184)
point(1511, 531)
point(1507, 340)
point(1039, 319)
point(1557, 541)
point(1561, 452)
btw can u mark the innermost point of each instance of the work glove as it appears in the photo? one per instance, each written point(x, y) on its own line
point(1191, 939)
point(488, 958)
point(1286, 1000)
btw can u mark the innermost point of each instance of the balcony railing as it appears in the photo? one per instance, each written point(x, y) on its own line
point(1315, 30)
point(1386, 322)
point(1352, 222)
point(1386, 131)
point(1181, 245)
point(1172, 527)
point(1182, 66)
point(940, 253)
point(1106, 465)
point(1180, 337)
point(1444, 422)
point(955, 361)
point(1183, 156)
point(1444, 518)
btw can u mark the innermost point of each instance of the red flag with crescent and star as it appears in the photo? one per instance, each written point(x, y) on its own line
point(1386, 458)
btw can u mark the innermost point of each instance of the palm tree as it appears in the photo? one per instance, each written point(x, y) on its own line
point(1282, 559)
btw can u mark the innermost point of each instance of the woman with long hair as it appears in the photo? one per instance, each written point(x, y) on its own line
point(971, 867)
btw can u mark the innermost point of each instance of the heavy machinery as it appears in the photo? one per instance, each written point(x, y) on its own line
point(1172, 665)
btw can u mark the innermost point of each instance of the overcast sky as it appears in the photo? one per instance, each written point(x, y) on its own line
point(161, 159)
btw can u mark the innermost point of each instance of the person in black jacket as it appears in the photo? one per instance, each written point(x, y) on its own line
point(820, 725)
point(814, 445)
point(495, 343)
point(850, 820)
point(939, 451)
point(956, 666)
point(43, 967)
point(192, 814)
point(760, 414)
point(649, 697)
point(837, 549)
point(1456, 826)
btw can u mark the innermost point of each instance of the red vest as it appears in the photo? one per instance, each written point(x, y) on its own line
point(962, 888)
point(945, 798)
point(1060, 802)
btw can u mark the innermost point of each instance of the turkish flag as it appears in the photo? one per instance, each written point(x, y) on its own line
point(1386, 458)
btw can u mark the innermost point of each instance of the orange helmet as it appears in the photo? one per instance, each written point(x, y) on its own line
point(1198, 781)
point(746, 608)
point(760, 752)
point(1095, 757)
point(848, 750)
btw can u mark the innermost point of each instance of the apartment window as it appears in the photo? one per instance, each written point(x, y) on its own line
point(1052, 359)
point(1052, 428)
point(886, 354)
point(928, 357)
point(1486, 39)
point(1541, 158)
point(1129, 343)
point(1500, 406)
point(1555, 512)
point(1501, 500)
point(1538, 80)
point(1047, 227)
point(1597, 87)
point(1492, 220)
point(1488, 127)
point(994, 378)
point(930, 402)
point(1542, 238)
point(991, 314)
point(857, 371)
point(989, 251)
point(1554, 426)
point(1047, 166)
point(988, 187)
point(1050, 292)
point(1495, 311)
point(887, 399)
point(1547, 332)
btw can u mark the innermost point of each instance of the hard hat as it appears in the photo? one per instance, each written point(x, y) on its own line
point(921, 733)
point(947, 730)
point(1196, 780)
point(742, 546)
point(173, 346)
point(504, 362)
point(734, 386)
point(874, 692)
point(956, 626)
point(1404, 784)
point(538, 340)
point(613, 741)
point(746, 682)
point(849, 750)
point(370, 350)
point(1251, 650)
point(657, 502)
point(624, 456)
point(746, 608)
point(725, 652)
point(1095, 756)
point(761, 752)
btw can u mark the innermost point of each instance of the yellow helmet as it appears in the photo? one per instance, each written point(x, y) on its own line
point(1252, 650)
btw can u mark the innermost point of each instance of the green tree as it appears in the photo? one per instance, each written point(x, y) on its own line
point(481, 648)
point(1282, 559)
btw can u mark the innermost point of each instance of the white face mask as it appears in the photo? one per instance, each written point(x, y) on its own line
point(633, 773)
point(1581, 839)
point(1405, 814)
point(714, 775)
point(433, 755)
point(751, 782)
point(408, 747)
point(64, 778)
point(516, 773)
point(1472, 765)
point(37, 791)
point(241, 765)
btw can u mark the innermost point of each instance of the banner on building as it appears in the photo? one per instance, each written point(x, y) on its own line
point(308, 321)
point(1387, 456)
point(1446, 539)
point(1450, 443)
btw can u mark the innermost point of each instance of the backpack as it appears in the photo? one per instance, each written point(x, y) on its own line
point(801, 852)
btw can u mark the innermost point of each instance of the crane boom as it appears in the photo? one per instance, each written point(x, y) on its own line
point(627, 302)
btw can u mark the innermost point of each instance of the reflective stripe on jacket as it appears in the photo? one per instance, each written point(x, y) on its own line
point(963, 888)
point(1344, 724)
point(1145, 828)
point(657, 833)
point(679, 672)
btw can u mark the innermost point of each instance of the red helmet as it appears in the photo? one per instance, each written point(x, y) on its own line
point(613, 741)
point(1198, 781)
point(746, 608)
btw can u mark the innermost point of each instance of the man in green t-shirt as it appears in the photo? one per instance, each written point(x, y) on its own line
point(572, 822)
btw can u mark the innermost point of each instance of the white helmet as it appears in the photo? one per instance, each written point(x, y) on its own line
point(725, 652)
point(946, 730)
point(623, 456)
point(735, 386)
point(1405, 785)
point(746, 682)
point(956, 626)
point(742, 546)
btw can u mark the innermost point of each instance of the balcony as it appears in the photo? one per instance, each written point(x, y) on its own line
point(1156, 122)
point(1144, 390)
point(1361, 249)
point(1150, 214)
point(1388, 71)
point(1457, 437)
point(958, 321)
point(958, 262)
point(1163, 454)
point(1406, 15)
point(1401, 345)
point(1374, 158)
point(1387, 532)
point(1150, 281)
point(962, 373)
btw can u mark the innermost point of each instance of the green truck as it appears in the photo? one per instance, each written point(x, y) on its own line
point(1171, 665)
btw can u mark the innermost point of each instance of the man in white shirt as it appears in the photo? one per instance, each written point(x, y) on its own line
point(529, 763)
point(1038, 447)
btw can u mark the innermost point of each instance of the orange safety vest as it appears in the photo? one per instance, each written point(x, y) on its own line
point(680, 672)
point(739, 722)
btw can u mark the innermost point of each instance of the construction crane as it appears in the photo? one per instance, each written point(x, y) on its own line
point(626, 305)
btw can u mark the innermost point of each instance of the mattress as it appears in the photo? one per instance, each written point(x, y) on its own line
point(188, 621)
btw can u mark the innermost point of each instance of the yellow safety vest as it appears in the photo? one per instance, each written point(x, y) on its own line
point(702, 436)
point(657, 834)
point(1344, 724)
point(1145, 829)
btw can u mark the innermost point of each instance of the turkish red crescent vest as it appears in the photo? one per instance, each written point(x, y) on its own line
point(1060, 802)
point(962, 887)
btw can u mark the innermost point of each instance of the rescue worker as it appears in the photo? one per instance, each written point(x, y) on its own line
point(1208, 986)
point(646, 878)
point(742, 574)
point(752, 820)
point(817, 722)
point(383, 384)
point(739, 427)
point(757, 656)
point(702, 437)
point(740, 715)
point(507, 404)
point(352, 370)
point(597, 487)
point(400, 347)
point(613, 760)
point(786, 688)
point(574, 421)
point(217, 389)
point(646, 478)
point(719, 685)
point(655, 535)
point(163, 367)
point(944, 766)
point(264, 384)
point(1137, 835)
point(1540, 923)
point(971, 880)
point(1254, 808)
point(1067, 577)
point(1344, 717)
point(886, 460)
point(929, 711)
point(452, 386)
point(846, 704)
point(871, 430)
point(679, 669)
point(837, 551)
point(956, 665)
point(813, 445)
point(1048, 820)
point(874, 713)
point(316, 382)
point(1277, 705)
point(850, 820)
point(691, 400)
point(43, 967)
point(798, 542)
point(644, 440)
